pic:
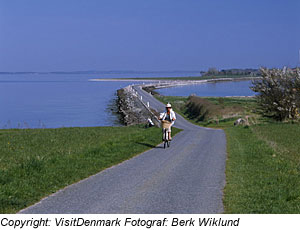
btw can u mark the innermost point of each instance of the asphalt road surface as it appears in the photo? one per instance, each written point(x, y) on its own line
point(188, 177)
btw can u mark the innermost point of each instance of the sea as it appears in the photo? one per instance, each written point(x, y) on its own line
point(54, 100)
point(219, 89)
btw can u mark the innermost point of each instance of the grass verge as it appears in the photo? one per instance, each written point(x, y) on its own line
point(227, 110)
point(37, 162)
point(263, 169)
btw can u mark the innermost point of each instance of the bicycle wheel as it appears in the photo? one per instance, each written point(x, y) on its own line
point(165, 138)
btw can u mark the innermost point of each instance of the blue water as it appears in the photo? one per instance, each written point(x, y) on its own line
point(62, 100)
point(70, 100)
point(220, 89)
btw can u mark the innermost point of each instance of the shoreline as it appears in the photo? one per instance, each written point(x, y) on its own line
point(164, 83)
point(134, 110)
point(175, 80)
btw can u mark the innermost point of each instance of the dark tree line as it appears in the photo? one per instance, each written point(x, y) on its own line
point(215, 72)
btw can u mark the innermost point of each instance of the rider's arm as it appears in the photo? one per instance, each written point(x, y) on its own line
point(173, 115)
point(161, 117)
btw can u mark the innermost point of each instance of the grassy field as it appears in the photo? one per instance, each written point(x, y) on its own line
point(226, 111)
point(37, 162)
point(263, 165)
point(263, 169)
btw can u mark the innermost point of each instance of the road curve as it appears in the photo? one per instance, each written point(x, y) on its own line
point(188, 177)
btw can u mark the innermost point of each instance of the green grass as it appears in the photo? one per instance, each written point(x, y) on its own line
point(242, 106)
point(37, 162)
point(263, 169)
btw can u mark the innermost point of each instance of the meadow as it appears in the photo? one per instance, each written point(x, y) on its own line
point(263, 169)
point(214, 112)
point(37, 162)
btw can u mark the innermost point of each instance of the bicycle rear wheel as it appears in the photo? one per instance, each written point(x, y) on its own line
point(165, 138)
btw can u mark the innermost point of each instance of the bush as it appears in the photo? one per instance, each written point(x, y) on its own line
point(200, 108)
point(278, 93)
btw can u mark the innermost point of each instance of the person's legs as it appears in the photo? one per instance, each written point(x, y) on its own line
point(164, 135)
point(169, 133)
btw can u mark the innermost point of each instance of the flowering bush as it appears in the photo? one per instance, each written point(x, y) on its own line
point(279, 93)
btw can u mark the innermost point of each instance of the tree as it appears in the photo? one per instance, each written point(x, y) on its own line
point(278, 93)
point(212, 71)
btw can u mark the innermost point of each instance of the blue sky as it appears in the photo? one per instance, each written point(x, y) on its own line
point(146, 35)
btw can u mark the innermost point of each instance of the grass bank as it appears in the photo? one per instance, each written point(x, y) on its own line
point(263, 169)
point(217, 112)
point(263, 165)
point(37, 162)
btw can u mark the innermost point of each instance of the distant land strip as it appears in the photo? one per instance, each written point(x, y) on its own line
point(187, 78)
point(180, 79)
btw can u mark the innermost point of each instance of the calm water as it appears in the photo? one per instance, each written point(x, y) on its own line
point(61, 100)
point(68, 100)
point(221, 89)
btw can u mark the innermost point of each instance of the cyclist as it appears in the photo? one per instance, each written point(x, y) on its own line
point(168, 115)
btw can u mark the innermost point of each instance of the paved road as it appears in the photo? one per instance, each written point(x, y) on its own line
point(188, 177)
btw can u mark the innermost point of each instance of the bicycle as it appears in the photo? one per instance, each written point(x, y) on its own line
point(165, 127)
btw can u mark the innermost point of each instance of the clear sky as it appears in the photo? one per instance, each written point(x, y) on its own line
point(68, 35)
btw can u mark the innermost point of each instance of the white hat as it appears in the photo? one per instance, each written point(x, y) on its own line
point(168, 105)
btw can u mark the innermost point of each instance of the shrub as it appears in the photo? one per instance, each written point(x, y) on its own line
point(200, 108)
point(208, 110)
point(278, 93)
